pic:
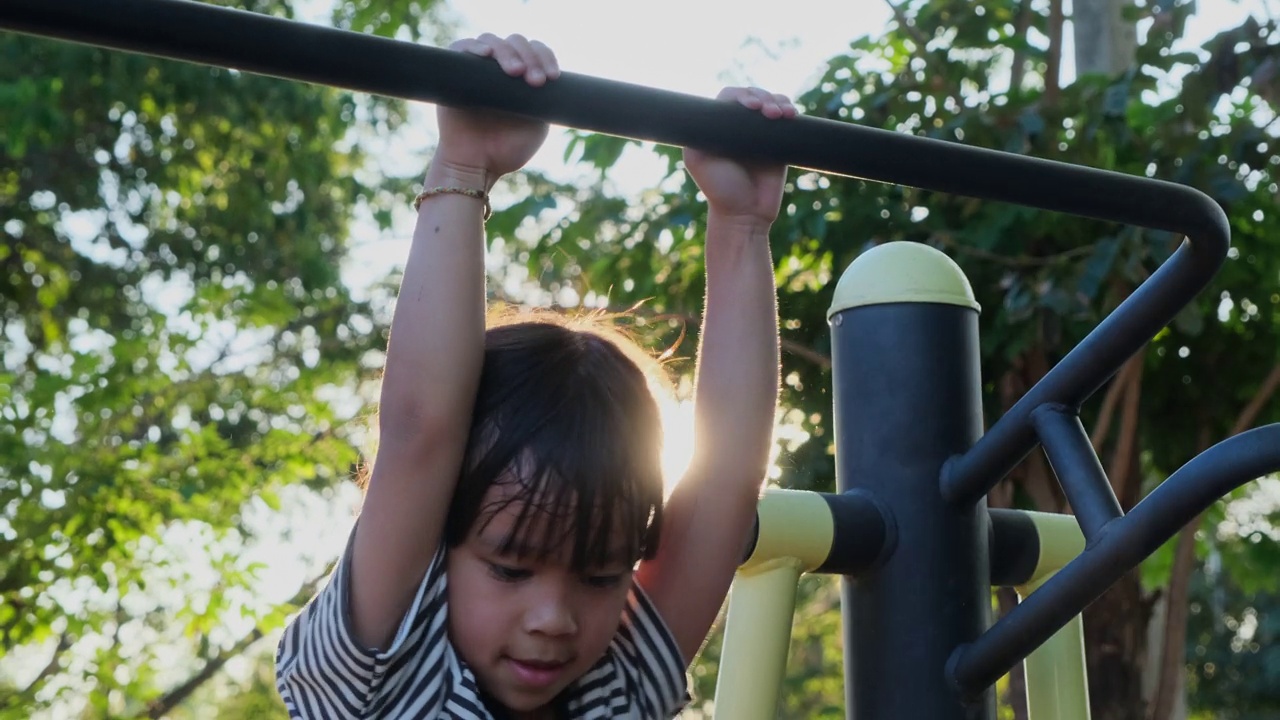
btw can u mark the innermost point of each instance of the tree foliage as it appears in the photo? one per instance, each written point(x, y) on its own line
point(177, 336)
point(1233, 650)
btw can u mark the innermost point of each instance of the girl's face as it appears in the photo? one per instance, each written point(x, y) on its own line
point(528, 628)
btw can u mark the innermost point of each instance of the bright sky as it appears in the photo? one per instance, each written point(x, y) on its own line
point(682, 45)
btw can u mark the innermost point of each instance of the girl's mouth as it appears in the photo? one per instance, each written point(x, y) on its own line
point(536, 673)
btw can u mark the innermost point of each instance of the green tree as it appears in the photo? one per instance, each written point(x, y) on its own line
point(178, 339)
point(178, 329)
point(987, 75)
point(1234, 649)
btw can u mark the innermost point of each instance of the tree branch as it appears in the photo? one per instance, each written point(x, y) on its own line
point(1260, 399)
point(910, 29)
point(1111, 400)
point(1033, 473)
point(806, 353)
point(1175, 621)
point(1121, 471)
point(790, 346)
point(166, 703)
point(53, 666)
point(1052, 70)
point(948, 241)
point(1175, 626)
point(1019, 67)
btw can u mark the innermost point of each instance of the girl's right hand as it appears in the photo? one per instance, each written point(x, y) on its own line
point(492, 143)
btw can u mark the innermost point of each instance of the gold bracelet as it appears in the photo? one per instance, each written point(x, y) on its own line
point(469, 192)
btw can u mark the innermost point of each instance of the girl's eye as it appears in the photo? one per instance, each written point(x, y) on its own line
point(604, 581)
point(507, 574)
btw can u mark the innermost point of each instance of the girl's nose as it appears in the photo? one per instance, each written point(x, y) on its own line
point(551, 613)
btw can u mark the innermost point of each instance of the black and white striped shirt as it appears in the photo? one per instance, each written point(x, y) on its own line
point(323, 673)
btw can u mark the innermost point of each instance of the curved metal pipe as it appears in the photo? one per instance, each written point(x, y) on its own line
point(1120, 546)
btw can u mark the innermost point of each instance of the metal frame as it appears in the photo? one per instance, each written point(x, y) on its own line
point(913, 466)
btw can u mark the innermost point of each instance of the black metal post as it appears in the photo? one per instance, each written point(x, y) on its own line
point(907, 397)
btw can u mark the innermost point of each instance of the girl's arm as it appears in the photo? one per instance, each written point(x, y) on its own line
point(436, 351)
point(709, 515)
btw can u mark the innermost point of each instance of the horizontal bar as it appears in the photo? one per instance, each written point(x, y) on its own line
point(1074, 461)
point(251, 42)
point(865, 533)
point(796, 524)
point(1013, 542)
point(1123, 544)
point(1026, 546)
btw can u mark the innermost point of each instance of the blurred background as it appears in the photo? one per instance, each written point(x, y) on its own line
point(199, 268)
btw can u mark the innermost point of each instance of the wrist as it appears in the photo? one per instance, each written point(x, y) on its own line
point(740, 225)
point(443, 172)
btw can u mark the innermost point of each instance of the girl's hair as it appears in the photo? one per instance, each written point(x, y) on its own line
point(565, 415)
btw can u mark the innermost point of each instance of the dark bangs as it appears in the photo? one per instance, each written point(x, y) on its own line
point(566, 417)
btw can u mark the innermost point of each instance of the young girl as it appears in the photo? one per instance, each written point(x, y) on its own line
point(513, 558)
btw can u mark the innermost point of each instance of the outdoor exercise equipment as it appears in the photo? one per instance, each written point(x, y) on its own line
point(909, 528)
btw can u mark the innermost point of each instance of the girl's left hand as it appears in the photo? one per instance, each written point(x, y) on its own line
point(737, 189)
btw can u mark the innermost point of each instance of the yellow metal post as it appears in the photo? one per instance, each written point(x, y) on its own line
point(794, 534)
point(757, 634)
point(1057, 684)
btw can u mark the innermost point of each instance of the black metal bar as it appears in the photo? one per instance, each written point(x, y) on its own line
point(1122, 545)
point(1074, 461)
point(1078, 375)
point(1014, 544)
point(203, 33)
point(864, 533)
point(907, 395)
point(198, 32)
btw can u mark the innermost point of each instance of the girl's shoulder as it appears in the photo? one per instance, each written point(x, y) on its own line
point(641, 675)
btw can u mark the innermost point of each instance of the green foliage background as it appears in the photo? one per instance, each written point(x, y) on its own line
point(176, 330)
point(179, 340)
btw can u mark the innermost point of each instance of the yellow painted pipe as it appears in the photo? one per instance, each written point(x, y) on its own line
point(757, 634)
point(1057, 681)
point(795, 532)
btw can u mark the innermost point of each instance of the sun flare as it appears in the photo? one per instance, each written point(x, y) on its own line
point(677, 447)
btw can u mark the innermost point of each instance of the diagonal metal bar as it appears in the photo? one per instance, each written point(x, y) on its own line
point(1075, 462)
point(1119, 548)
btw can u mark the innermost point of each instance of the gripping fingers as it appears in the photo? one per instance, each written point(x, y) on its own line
point(785, 106)
point(516, 55)
point(546, 59)
point(533, 56)
point(472, 45)
point(507, 56)
point(771, 105)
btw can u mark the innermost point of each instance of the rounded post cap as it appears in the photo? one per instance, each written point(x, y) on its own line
point(902, 272)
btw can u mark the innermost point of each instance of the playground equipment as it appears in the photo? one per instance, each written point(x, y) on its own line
point(908, 528)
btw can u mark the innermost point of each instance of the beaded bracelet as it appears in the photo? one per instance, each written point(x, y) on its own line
point(469, 192)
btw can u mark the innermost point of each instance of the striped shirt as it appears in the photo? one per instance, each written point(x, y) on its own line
point(323, 672)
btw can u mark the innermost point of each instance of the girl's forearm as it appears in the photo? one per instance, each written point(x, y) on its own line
point(437, 330)
point(737, 375)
